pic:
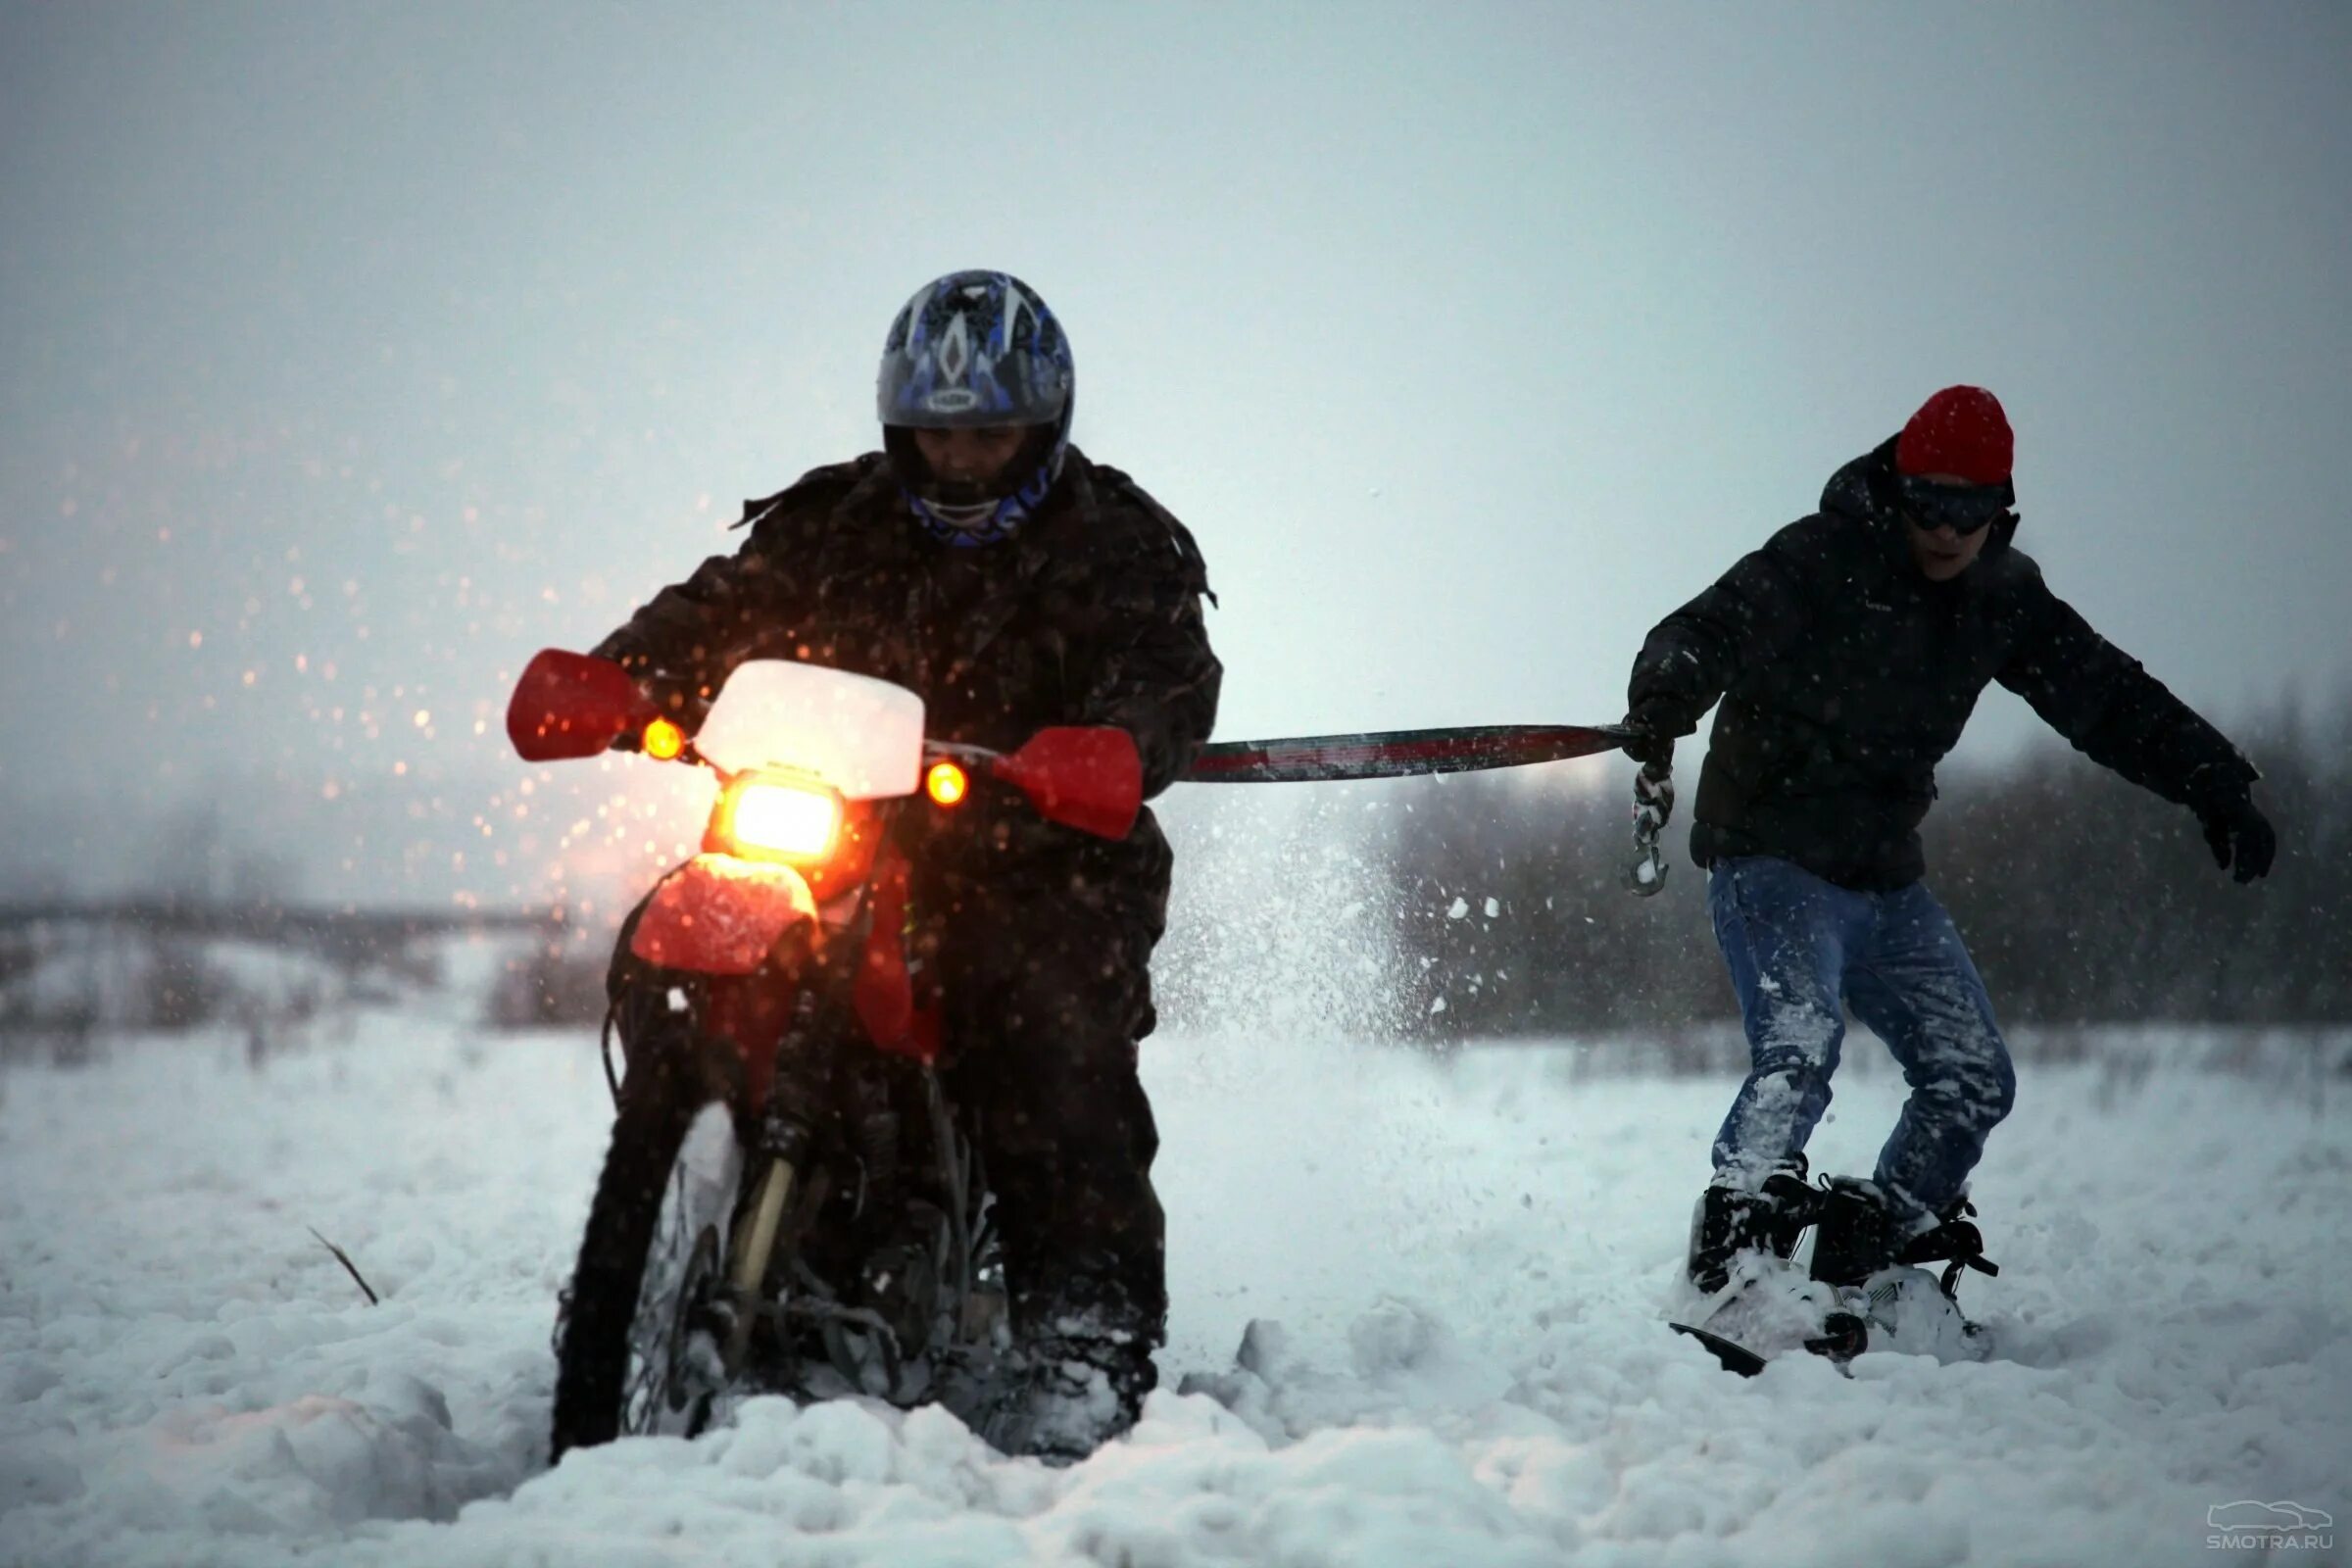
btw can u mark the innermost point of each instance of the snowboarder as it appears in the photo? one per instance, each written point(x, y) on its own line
point(1847, 652)
point(983, 561)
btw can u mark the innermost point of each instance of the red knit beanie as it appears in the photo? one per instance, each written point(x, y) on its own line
point(1961, 430)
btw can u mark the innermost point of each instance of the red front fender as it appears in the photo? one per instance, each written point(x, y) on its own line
point(716, 914)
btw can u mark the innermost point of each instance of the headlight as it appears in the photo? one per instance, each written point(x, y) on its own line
point(770, 819)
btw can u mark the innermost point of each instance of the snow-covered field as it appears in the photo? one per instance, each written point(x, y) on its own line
point(1469, 1262)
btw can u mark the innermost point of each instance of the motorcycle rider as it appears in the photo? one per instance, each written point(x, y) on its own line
point(1848, 652)
point(980, 559)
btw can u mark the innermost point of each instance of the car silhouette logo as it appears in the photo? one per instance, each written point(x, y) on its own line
point(2281, 1518)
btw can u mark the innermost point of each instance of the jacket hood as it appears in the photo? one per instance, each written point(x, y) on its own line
point(1863, 489)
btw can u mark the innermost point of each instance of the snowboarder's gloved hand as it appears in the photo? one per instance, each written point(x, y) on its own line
point(1654, 729)
point(2236, 831)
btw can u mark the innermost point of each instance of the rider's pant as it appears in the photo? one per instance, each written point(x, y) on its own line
point(1049, 989)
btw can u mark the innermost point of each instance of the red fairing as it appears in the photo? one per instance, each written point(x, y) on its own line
point(716, 914)
point(884, 990)
point(571, 705)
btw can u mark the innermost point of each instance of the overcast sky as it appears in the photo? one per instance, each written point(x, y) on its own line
point(348, 354)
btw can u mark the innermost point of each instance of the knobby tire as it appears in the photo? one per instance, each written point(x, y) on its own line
point(658, 1102)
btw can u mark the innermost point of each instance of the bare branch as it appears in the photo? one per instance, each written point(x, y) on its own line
point(349, 1267)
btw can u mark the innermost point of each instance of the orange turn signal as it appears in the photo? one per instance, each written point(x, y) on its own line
point(946, 783)
point(663, 741)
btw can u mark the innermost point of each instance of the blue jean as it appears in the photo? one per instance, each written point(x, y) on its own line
point(1798, 948)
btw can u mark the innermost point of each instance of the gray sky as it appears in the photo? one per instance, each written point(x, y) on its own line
point(348, 355)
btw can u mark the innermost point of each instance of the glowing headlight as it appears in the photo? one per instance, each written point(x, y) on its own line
point(765, 819)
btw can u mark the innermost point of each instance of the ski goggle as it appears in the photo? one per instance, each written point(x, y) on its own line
point(1962, 508)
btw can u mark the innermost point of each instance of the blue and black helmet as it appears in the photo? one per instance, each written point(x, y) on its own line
point(977, 350)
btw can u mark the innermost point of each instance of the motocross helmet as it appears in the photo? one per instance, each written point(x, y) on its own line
point(977, 350)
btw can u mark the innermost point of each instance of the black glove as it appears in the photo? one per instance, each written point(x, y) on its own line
point(2236, 831)
point(1654, 729)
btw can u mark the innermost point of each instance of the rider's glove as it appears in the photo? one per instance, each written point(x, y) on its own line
point(1654, 729)
point(2235, 831)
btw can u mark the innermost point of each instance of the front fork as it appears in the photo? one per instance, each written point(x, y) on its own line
point(787, 1148)
point(754, 1245)
point(758, 1014)
point(774, 1026)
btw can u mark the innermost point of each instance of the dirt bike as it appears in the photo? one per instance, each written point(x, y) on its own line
point(792, 1200)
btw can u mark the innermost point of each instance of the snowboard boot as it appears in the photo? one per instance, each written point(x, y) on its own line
point(1857, 1235)
point(1731, 1220)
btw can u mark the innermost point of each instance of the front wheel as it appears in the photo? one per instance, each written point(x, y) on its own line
point(638, 1351)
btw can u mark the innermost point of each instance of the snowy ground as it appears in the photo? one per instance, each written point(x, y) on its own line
point(1470, 1262)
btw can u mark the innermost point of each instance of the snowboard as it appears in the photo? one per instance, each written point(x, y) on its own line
point(1772, 1309)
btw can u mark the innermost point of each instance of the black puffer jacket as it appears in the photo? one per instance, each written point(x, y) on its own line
point(1091, 614)
point(1846, 675)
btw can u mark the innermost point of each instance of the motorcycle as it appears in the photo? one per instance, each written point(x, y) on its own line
point(792, 1200)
